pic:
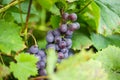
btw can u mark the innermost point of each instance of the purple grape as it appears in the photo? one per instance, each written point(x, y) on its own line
point(59, 60)
point(58, 39)
point(42, 72)
point(64, 50)
point(41, 53)
point(57, 47)
point(73, 26)
point(65, 16)
point(63, 28)
point(62, 44)
point(72, 17)
point(33, 49)
point(38, 56)
point(66, 55)
point(78, 25)
point(42, 64)
point(69, 33)
point(60, 55)
point(43, 59)
point(38, 65)
point(50, 38)
point(51, 46)
point(56, 32)
point(68, 41)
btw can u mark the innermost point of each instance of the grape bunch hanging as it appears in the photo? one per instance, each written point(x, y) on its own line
point(58, 39)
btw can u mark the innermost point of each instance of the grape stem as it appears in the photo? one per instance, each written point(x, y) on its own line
point(35, 42)
point(2, 59)
point(85, 6)
point(9, 5)
point(39, 77)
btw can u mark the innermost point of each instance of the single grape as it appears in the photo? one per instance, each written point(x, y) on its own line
point(33, 49)
point(69, 33)
point(42, 64)
point(41, 53)
point(51, 46)
point(58, 39)
point(50, 38)
point(60, 55)
point(64, 50)
point(63, 28)
point(56, 32)
point(73, 26)
point(59, 60)
point(66, 55)
point(72, 17)
point(57, 47)
point(78, 25)
point(42, 72)
point(62, 44)
point(68, 41)
point(65, 16)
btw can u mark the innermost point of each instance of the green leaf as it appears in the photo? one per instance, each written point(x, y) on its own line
point(10, 39)
point(25, 66)
point(92, 15)
point(110, 17)
point(110, 60)
point(80, 40)
point(51, 61)
point(101, 42)
point(4, 70)
point(47, 3)
point(55, 20)
point(79, 67)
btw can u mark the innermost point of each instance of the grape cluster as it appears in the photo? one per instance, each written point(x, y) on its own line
point(60, 38)
point(41, 55)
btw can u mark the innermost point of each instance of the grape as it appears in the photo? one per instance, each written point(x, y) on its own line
point(69, 33)
point(42, 64)
point(69, 42)
point(38, 56)
point(43, 59)
point(63, 28)
point(59, 60)
point(66, 55)
point(65, 16)
point(73, 26)
point(72, 17)
point(60, 55)
point(57, 47)
point(64, 50)
point(56, 32)
point(51, 46)
point(33, 49)
point(50, 38)
point(58, 39)
point(62, 44)
point(41, 53)
point(42, 72)
point(78, 25)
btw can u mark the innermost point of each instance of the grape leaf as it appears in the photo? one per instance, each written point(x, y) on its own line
point(51, 61)
point(10, 39)
point(110, 60)
point(80, 67)
point(25, 66)
point(55, 20)
point(101, 42)
point(110, 17)
point(4, 70)
point(81, 40)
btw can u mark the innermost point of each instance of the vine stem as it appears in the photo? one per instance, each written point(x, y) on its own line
point(85, 6)
point(40, 77)
point(35, 42)
point(2, 59)
point(9, 5)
